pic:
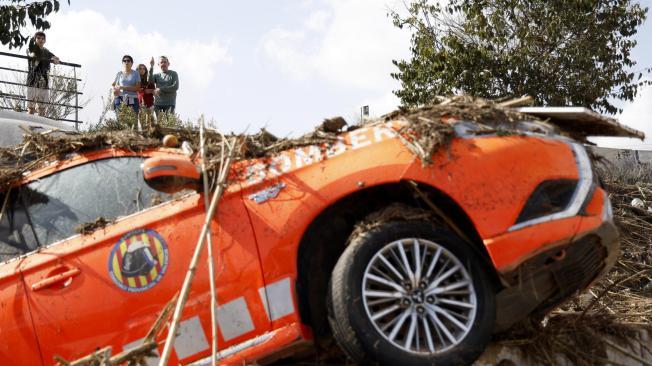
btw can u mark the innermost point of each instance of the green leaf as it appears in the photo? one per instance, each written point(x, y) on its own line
point(13, 18)
point(576, 52)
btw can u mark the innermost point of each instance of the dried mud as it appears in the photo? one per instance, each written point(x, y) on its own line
point(90, 227)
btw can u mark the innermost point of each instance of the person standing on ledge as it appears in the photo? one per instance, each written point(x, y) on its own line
point(38, 92)
point(167, 84)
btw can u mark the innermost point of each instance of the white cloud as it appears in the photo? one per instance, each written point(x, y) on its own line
point(358, 47)
point(283, 47)
point(351, 45)
point(88, 38)
point(318, 20)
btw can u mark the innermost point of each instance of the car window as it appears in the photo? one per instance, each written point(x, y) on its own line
point(16, 234)
point(53, 207)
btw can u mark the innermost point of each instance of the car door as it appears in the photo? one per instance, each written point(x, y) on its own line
point(107, 287)
point(18, 343)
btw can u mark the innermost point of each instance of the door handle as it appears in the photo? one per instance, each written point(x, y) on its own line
point(57, 278)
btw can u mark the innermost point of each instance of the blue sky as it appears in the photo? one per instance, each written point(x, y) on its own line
point(283, 64)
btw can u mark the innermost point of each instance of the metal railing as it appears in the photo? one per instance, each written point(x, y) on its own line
point(16, 90)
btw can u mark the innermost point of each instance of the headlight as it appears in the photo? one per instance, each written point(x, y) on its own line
point(550, 197)
point(546, 201)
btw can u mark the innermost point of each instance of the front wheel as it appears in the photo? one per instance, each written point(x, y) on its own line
point(409, 293)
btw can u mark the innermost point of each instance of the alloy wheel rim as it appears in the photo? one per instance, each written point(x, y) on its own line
point(419, 296)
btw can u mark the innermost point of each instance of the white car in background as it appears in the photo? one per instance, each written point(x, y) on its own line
point(11, 122)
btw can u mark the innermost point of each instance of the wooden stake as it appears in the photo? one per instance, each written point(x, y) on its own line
point(517, 102)
point(211, 271)
point(185, 289)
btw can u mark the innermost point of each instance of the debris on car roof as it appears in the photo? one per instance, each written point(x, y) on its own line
point(425, 131)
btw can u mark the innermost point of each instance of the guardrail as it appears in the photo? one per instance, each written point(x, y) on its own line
point(13, 93)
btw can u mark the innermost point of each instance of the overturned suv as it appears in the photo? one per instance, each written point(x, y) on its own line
point(358, 239)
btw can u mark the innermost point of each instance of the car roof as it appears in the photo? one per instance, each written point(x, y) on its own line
point(11, 132)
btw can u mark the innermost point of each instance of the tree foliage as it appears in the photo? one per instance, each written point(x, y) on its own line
point(573, 52)
point(14, 15)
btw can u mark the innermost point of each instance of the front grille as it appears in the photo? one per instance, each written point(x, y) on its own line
point(584, 260)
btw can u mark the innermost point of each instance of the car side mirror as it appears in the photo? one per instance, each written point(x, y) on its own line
point(171, 174)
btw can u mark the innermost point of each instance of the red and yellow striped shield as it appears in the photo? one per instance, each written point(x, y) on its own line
point(138, 260)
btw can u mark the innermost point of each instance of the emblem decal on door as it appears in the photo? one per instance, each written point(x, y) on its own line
point(138, 260)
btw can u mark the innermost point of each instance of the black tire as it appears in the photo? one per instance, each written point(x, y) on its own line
point(351, 323)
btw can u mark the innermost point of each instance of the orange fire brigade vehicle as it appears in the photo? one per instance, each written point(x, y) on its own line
point(402, 263)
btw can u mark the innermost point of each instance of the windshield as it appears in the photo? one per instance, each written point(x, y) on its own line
point(54, 207)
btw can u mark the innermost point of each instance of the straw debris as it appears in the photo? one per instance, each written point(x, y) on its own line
point(424, 132)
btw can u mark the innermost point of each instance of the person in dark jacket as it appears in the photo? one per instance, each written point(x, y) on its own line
point(38, 92)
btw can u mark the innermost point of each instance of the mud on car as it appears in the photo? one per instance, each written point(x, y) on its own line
point(402, 254)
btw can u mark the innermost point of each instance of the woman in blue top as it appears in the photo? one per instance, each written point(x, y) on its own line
point(126, 85)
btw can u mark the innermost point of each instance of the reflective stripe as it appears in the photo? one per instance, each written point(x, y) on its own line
point(191, 338)
point(235, 349)
point(278, 302)
point(233, 319)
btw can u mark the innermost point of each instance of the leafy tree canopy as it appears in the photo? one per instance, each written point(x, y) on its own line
point(572, 52)
point(14, 15)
